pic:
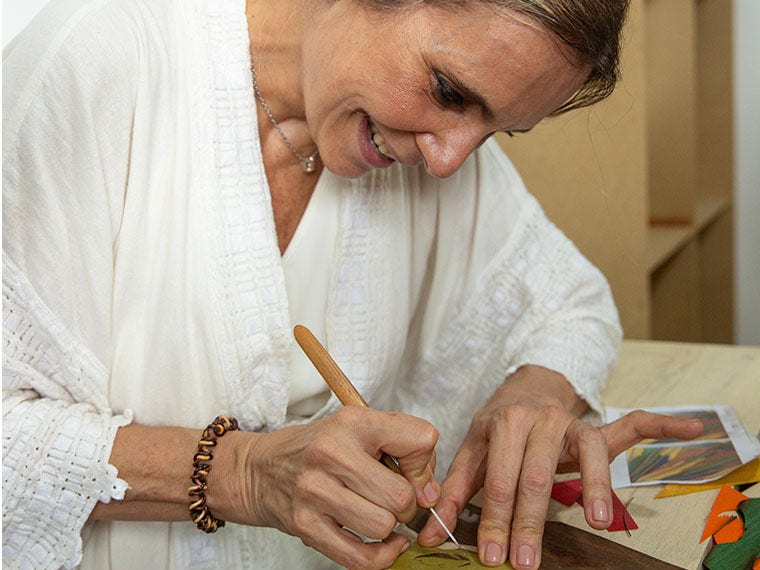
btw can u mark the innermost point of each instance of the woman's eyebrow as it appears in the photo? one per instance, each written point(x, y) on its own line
point(513, 131)
point(473, 96)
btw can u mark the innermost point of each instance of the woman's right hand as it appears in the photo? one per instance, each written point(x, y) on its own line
point(311, 481)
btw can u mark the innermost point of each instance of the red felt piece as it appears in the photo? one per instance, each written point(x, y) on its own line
point(567, 492)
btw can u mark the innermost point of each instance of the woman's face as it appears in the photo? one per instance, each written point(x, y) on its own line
point(429, 84)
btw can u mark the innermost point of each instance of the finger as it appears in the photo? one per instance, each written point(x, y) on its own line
point(507, 445)
point(464, 478)
point(412, 442)
point(410, 439)
point(595, 472)
point(349, 550)
point(534, 490)
point(373, 481)
point(349, 509)
point(637, 425)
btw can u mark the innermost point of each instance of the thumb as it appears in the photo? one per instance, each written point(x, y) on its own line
point(413, 456)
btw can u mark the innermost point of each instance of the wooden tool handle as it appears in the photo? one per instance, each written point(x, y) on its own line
point(333, 375)
point(328, 368)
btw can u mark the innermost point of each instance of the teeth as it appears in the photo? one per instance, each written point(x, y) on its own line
point(379, 142)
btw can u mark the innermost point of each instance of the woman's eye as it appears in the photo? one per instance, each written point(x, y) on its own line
point(446, 94)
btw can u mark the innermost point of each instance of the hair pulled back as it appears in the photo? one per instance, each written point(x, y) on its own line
point(592, 28)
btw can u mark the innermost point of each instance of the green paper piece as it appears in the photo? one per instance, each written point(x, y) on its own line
point(424, 558)
point(741, 554)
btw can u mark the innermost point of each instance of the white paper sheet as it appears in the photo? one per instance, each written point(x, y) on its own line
point(724, 446)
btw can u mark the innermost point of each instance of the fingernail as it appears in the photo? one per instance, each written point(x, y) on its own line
point(493, 553)
point(600, 511)
point(430, 492)
point(525, 555)
point(406, 546)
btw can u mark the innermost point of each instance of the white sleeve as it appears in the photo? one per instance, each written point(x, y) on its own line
point(66, 128)
point(508, 289)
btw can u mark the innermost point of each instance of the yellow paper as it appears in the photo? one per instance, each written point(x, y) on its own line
point(424, 558)
point(747, 473)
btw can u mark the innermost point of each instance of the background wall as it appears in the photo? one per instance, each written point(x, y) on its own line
point(747, 153)
point(747, 170)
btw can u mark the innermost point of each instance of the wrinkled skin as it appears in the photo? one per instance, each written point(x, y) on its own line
point(514, 446)
point(311, 481)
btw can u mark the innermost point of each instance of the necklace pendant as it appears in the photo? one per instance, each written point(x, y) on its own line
point(309, 164)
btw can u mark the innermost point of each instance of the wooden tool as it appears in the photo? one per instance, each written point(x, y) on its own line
point(346, 393)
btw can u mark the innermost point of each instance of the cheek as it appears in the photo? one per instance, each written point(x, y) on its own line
point(403, 105)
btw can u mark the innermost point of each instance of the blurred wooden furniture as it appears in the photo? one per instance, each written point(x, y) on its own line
point(643, 182)
point(667, 374)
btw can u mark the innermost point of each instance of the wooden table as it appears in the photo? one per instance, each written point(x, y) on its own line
point(651, 374)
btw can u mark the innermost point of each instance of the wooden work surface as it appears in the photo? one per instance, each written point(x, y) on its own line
point(651, 374)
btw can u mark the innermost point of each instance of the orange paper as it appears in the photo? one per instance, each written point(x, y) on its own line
point(728, 499)
point(732, 532)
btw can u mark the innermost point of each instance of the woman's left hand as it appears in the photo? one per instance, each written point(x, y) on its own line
point(528, 431)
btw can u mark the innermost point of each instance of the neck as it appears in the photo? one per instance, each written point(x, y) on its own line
point(275, 29)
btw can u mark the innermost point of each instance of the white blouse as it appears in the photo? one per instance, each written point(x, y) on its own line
point(142, 279)
point(306, 263)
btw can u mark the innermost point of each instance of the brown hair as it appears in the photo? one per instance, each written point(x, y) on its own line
point(592, 28)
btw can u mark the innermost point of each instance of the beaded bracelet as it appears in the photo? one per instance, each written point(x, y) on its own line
point(199, 511)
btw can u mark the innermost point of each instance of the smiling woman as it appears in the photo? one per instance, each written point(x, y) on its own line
point(590, 28)
point(185, 180)
point(416, 78)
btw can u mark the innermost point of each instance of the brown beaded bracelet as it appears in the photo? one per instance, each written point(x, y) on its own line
point(199, 511)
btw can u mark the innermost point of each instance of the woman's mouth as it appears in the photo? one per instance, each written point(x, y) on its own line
point(378, 141)
point(372, 146)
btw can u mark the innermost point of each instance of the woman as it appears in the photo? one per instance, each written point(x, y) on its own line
point(184, 181)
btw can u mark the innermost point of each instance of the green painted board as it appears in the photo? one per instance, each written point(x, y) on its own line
point(424, 558)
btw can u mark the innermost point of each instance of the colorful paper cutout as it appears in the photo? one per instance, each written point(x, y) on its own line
point(569, 492)
point(748, 473)
point(724, 446)
point(727, 500)
point(732, 532)
point(743, 553)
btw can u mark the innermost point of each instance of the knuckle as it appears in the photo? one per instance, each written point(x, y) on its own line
point(512, 413)
point(500, 489)
point(427, 434)
point(302, 522)
point(423, 431)
point(364, 559)
point(537, 480)
point(528, 528)
point(494, 525)
point(638, 416)
point(595, 484)
point(322, 450)
point(401, 498)
point(347, 416)
point(381, 525)
point(592, 437)
point(306, 487)
point(354, 561)
point(555, 413)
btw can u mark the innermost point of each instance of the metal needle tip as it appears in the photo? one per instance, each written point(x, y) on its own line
point(451, 536)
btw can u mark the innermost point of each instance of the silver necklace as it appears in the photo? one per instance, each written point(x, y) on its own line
point(308, 163)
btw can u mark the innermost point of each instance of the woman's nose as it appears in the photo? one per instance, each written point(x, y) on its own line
point(443, 154)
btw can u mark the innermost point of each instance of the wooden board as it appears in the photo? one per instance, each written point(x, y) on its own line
point(564, 546)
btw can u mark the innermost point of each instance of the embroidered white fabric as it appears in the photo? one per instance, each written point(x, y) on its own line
point(57, 434)
point(438, 288)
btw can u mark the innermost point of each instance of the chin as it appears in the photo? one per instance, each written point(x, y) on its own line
point(345, 168)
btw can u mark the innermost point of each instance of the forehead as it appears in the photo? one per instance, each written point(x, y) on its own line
point(520, 67)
